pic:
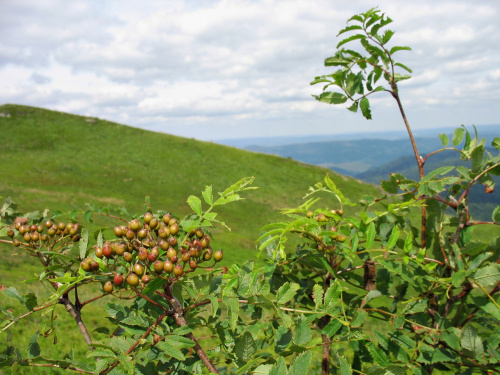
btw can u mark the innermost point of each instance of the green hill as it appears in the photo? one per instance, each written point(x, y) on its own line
point(62, 161)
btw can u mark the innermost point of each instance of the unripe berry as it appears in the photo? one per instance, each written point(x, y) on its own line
point(146, 279)
point(61, 226)
point(154, 224)
point(178, 270)
point(148, 216)
point(138, 269)
point(158, 266)
point(16, 242)
point(135, 225)
point(108, 287)
point(98, 252)
point(85, 264)
point(143, 233)
point(166, 218)
point(218, 255)
point(10, 232)
point(174, 229)
point(199, 232)
point(120, 249)
point(48, 224)
point(133, 279)
point(193, 264)
point(39, 228)
point(118, 232)
point(127, 257)
point(171, 252)
point(94, 266)
point(168, 266)
point(143, 254)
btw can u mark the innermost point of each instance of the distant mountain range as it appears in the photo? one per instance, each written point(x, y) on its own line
point(371, 157)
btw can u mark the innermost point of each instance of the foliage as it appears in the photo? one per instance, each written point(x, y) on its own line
point(369, 293)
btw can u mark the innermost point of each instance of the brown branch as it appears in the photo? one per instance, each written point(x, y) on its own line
point(144, 335)
point(58, 366)
point(181, 321)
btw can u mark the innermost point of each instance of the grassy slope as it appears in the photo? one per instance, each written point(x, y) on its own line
point(60, 161)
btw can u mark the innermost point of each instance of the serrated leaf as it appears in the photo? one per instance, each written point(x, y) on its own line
point(349, 28)
point(364, 104)
point(279, 368)
point(332, 328)
point(399, 48)
point(84, 240)
point(458, 136)
point(391, 242)
point(358, 318)
point(471, 341)
point(487, 276)
point(444, 139)
point(286, 292)
point(301, 364)
point(416, 306)
point(345, 367)
point(378, 355)
point(387, 36)
point(302, 334)
point(331, 97)
point(195, 204)
point(171, 351)
point(318, 296)
point(495, 216)
point(370, 236)
point(282, 339)
point(245, 347)
point(34, 346)
point(496, 143)
point(207, 195)
point(13, 293)
point(351, 38)
point(405, 68)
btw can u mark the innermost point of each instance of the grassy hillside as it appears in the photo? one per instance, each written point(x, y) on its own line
point(60, 161)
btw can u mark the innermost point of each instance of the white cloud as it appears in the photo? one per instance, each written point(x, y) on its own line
point(234, 68)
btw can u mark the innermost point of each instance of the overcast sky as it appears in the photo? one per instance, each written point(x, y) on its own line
point(227, 69)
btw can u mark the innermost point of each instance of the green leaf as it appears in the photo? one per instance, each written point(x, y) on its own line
point(302, 334)
point(364, 104)
point(358, 317)
point(345, 367)
point(233, 308)
point(477, 158)
point(391, 242)
point(207, 195)
point(495, 216)
point(458, 136)
point(279, 368)
point(171, 351)
point(282, 339)
point(444, 139)
point(370, 236)
point(405, 68)
point(349, 28)
point(13, 293)
point(353, 107)
point(286, 292)
point(387, 36)
point(378, 355)
point(487, 276)
point(408, 245)
point(416, 306)
point(301, 364)
point(331, 97)
point(496, 143)
point(318, 296)
point(350, 39)
point(245, 347)
point(332, 328)
point(84, 240)
point(471, 341)
point(34, 346)
point(399, 48)
point(195, 204)
point(334, 61)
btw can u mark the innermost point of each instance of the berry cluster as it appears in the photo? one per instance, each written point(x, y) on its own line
point(331, 222)
point(152, 248)
point(37, 236)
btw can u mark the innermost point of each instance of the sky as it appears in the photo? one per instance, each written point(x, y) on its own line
point(213, 70)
